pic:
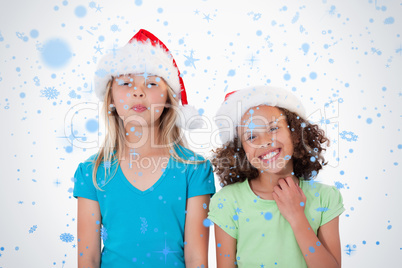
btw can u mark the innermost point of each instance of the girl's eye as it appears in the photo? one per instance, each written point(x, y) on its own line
point(126, 84)
point(149, 85)
point(251, 138)
point(272, 129)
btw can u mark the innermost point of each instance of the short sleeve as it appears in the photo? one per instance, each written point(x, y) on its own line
point(222, 213)
point(83, 185)
point(333, 203)
point(201, 179)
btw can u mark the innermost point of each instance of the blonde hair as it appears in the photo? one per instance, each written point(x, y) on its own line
point(170, 135)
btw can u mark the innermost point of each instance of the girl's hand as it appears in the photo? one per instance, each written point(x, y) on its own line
point(290, 199)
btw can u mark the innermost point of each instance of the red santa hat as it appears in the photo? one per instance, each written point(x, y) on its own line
point(237, 103)
point(146, 54)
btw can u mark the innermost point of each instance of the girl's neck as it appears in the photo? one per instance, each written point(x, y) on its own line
point(263, 185)
point(266, 181)
point(143, 141)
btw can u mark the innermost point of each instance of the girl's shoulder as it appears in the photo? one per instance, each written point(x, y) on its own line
point(231, 191)
point(315, 186)
point(323, 191)
point(89, 163)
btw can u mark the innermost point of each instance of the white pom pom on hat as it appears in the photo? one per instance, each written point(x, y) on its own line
point(146, 54)
point(237, 103)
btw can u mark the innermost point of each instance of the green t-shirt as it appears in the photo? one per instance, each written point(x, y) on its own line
point(264, 236)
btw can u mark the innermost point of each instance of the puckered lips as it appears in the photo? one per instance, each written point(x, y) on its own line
point(139, 108)
point(271, 155)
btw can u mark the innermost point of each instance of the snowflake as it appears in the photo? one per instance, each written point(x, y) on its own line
point(190, 59)
point(107, 164)
point(332, 10)
point(144, 225)
point(33, 229)
point(339, 185)
point(67, 237)
point(322, 121)
point(102, 183)
point(114, 28)
point(220, 205)
point(37, 81)
point(321, 209)
point(257, 16)
point(349, 136)
point(103, 233)
point(295, 18)
point(39, 47)
point(72, 94)
point(50, 93)
point(399, 50)
point(375, 50)
point(350, 249)
point(204, 206)
point(92, 4)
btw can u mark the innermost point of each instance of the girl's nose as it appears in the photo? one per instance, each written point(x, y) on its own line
point(267, 140)
point(138, 94)
point(139, 90)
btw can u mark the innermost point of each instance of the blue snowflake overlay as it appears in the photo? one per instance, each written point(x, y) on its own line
point(50, 93)
point(67, 237)
point(144, 225)
point(103, 233)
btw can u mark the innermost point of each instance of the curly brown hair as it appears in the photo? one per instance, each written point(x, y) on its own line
point(231, 164)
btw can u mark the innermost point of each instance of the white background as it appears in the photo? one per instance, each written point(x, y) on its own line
point(355, 49)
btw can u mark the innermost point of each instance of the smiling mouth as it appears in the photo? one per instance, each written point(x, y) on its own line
point(271, 156)
point(139, 108)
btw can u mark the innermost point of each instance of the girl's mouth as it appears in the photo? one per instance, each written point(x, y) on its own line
point(139, 108)
point(270, 156)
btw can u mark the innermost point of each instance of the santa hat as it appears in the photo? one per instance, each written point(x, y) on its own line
point(237, 103)
point(146, 54)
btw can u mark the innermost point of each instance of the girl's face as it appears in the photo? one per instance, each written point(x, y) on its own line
point(266, 139)
point(139, 100)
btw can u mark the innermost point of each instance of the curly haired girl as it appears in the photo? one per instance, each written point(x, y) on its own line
point(270, 212)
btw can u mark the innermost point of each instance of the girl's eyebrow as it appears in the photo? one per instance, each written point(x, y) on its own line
point(280, 118)
point(154, 77)
point(123, 77)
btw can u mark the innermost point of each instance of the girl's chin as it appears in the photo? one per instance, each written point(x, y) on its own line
point(271, 171)
point(274, 168)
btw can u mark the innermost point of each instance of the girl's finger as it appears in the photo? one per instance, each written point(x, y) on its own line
point(277, 190)
point(283, 184)
point(301, 192)
point(275, 196)
point(290, 182)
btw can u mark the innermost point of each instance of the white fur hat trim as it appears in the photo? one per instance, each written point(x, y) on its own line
point(136, 58)
point(237, 104)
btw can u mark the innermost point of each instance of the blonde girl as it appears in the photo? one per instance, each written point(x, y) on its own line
point(144, 194)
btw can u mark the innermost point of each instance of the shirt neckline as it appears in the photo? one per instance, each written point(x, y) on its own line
point(150, 189)
point(256, 197)
point(250, 191)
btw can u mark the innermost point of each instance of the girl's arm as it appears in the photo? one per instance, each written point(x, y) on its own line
point(225, 249)
point(196, 235)
point(321, 251)
point(88, 231)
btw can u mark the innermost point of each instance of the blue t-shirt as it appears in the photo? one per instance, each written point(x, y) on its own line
point(145, 228)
